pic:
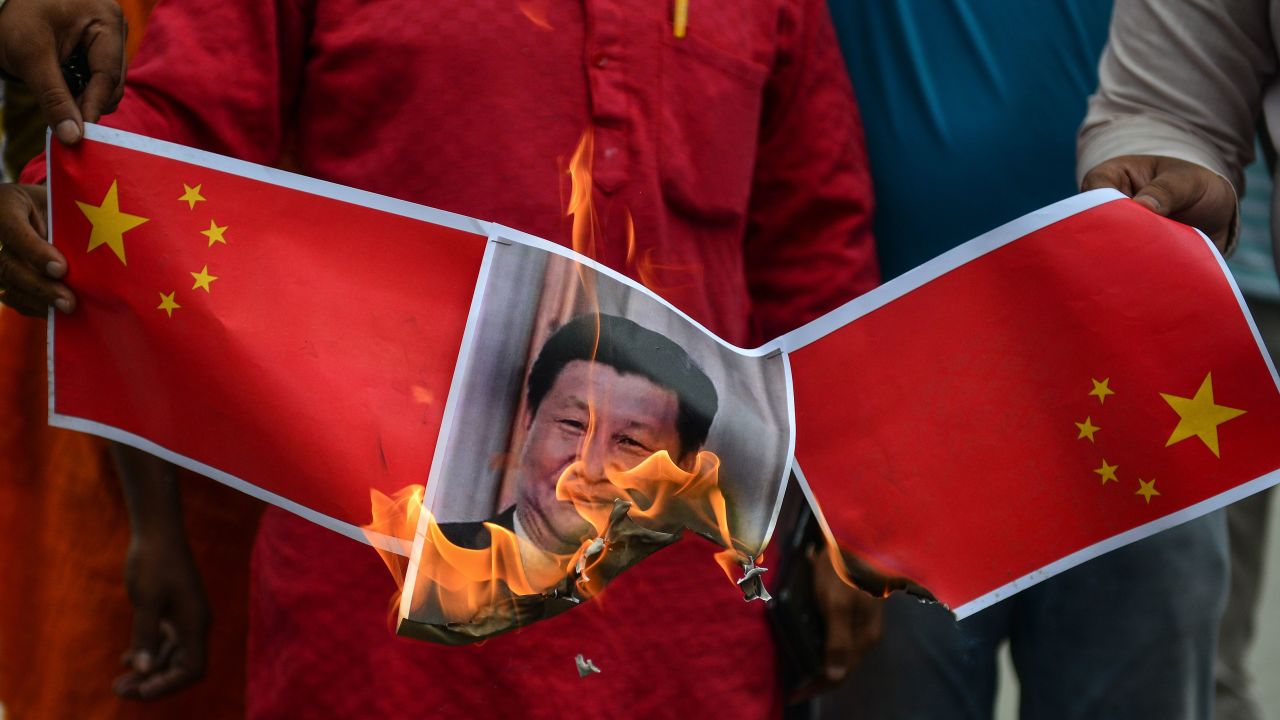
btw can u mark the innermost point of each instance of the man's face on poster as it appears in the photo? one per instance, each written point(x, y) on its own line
point(593, 421)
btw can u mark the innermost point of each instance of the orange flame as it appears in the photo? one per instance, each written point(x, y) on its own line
point(464, 585)
point(459, 581)
point(663, 494)
point(664, 498)
point(866, 576)
point(652, 274)
point(459, 584)
point(580, 207)
point(661, 277)
point(537, 12)
point(395, 518)
point(631, 241)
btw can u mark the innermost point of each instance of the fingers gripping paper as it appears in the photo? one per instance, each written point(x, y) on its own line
point(1071, 382)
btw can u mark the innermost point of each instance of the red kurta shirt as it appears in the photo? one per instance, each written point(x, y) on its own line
point(737, 151)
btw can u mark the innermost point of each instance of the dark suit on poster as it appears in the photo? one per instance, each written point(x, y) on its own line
point(473, 535)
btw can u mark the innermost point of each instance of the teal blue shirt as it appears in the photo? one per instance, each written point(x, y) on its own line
point(971, 110)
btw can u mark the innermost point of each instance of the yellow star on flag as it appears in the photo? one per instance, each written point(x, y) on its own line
point(109, 224)
point(203, 278)
point(1199, 416)
point(1101, 389)
point(191, 195)
point(1087, 429)
point(168, 304)
point(1108, 472)
point(1147, 488)
point(214, 233)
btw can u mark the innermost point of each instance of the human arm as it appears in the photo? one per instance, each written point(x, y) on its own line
point(809, 244)
point(170, 611)
point(1179, 81)
point(36, 36)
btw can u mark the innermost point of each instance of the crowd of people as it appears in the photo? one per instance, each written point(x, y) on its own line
point(727, 135)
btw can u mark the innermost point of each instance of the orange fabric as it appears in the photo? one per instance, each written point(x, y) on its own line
point(136, 13)
point(64, 616)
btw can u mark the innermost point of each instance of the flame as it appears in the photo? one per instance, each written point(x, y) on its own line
point(867, 576)
point(662, 493)
point(581, 206)
point(664, 498)
point(841, 568)
point(537, 12)
point(394, 517)
point(459, 581)
point(631, 241)
point(654, 275)
point(460, 585)
point(658, 276)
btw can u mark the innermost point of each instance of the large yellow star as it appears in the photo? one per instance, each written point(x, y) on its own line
point(109, 224)
point(1087, 429)
point(191, 195)
point(1108, 472)
point(168, 304)
point(214, 233)
point(203, 278)
point(1147, 488)
point(1199, 416)
point(1101, 389)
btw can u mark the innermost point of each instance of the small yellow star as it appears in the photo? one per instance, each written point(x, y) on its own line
point(1199, 416)
point(168, 304)
point(1108, 472)
point(109, 224)
point(214, 233)
point(1087, 429)
point(1147, 488)
point(191, 195)
point(203, 278)
point(1101, 390)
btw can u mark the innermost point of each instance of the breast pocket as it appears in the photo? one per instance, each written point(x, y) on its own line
point(708, 130)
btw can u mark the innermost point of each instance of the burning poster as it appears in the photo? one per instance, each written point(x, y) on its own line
point(522, 423)
point(591, 426)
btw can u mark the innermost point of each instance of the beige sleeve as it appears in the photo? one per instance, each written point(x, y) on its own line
point(1181, 79)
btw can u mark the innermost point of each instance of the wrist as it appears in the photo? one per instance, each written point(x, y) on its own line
point(159, 534)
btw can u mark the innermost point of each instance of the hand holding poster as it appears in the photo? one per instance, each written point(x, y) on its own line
point(1073, 381)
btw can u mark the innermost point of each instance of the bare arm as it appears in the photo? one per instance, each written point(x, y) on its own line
point(170, 612)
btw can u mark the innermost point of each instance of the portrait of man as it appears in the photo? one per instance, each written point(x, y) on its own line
point(574, 390)
point(603, 395)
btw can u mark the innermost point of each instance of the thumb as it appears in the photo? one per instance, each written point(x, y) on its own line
point(44, 77)
point(146, 639)
point(1161, 196)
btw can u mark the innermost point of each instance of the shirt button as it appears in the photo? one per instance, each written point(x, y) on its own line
point(610, 152)
point(600, 60)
